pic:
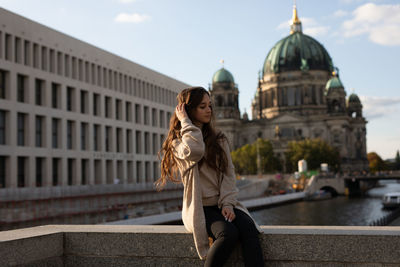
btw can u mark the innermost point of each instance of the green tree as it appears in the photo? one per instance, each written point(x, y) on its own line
point(245, 158)
point(375, 162)
point(314, 151)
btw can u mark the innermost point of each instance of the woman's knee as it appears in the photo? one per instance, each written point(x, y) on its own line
point(227, 231)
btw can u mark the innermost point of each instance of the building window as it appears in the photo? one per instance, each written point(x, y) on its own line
point(39, 92)
point(109, 172)
point(3, 135)
point(155, 145)
point(39, 123)
point(118, 139)
point(154, 117)
point(21, 88)
point(84, 141)
point(162, 119)
point(84, 101)
point(129, 171)
point(168, 118)
point(21, 122)
point(84, 171)
point(44, 58)
point(147, 176)
point(56, 171)
point(70, 171)
point(146, 115)
point(8, 47)
point(161, 139)
point(107, 106)
point(137, 113)
point(70, 98)
point(155, 170)
point(96, 137)
point(3, 84)
point(3, 171)
point(21, 166)
point(17, 50)
point(55, 133)
point(128, 141)
point(39, 171)
point(52, 60)
point(128, 111)
point(55, 95)
point(97, 172)
point(27, 53)
point(146, 143)
point(118, 109)
point(138, 142)
point(70, 134)
point(35, 55)
point(138, 171)
point(108, 138)
point(96, 104)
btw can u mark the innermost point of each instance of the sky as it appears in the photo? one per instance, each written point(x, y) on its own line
point(186, 40)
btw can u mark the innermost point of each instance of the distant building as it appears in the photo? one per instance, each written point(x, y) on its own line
point(73, 114)
point(299, 96)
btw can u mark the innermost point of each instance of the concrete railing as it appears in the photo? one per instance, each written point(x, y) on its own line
point(105, 245)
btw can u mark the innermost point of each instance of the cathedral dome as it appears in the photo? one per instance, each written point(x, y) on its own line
point(222, 75)
point(297, 52)
point(333, 83)
point(353, 98)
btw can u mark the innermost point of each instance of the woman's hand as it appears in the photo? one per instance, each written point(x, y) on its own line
point(181, 112)
point(228, 213)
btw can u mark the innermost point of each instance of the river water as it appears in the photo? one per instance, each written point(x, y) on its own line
point(343, 211)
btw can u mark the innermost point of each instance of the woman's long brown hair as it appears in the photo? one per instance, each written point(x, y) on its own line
point(214, 154)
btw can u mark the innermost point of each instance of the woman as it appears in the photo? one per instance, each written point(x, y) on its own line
point(201, 156)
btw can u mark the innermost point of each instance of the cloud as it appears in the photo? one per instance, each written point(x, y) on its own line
point(131, 18)
point(340, 13)
point(310, 26)
point(376, 107)
point(381, 23)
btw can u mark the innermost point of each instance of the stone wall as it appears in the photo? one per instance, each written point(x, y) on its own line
point(105, 245)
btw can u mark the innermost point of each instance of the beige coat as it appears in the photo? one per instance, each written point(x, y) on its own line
point(188, 151)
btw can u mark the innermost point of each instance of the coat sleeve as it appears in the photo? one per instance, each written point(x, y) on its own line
point(191, 145)
point(228, 190)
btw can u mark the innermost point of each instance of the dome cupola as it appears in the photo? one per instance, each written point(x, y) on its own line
point(297, 52)
point(223, 76)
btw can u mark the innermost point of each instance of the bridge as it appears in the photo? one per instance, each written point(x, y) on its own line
point(346, 184)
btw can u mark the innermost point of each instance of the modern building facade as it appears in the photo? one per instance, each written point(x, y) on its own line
point(299, 95)
point(74, 114)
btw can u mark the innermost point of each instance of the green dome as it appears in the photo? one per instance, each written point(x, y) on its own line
point(353, 98)
point(334, 82)
point(222, 75)
point(297, 52)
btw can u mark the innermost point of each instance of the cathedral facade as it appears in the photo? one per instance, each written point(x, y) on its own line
point(299, 96)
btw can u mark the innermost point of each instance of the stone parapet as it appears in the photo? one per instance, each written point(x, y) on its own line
point(106, 245)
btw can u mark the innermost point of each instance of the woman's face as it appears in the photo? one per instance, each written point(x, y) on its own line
point(202, 113)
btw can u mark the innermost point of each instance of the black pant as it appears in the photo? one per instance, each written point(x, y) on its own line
point(226, 234)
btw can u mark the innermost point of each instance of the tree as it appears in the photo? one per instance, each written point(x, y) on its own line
point(245, 158)
point(314, 151)
point(375, 162)
point(397, 161)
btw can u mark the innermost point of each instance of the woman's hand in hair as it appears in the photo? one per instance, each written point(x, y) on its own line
point(228, 213)
point(181, 112)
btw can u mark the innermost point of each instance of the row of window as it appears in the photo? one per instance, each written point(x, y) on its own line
point(113, 108)
point(94, 137)
point(292, 97)
point(22, 51)
point(102, 171)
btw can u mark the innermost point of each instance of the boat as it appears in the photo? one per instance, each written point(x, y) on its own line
point(319, 195)
point(391, 200)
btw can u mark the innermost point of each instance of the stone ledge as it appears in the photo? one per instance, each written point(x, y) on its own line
point(148, 245)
